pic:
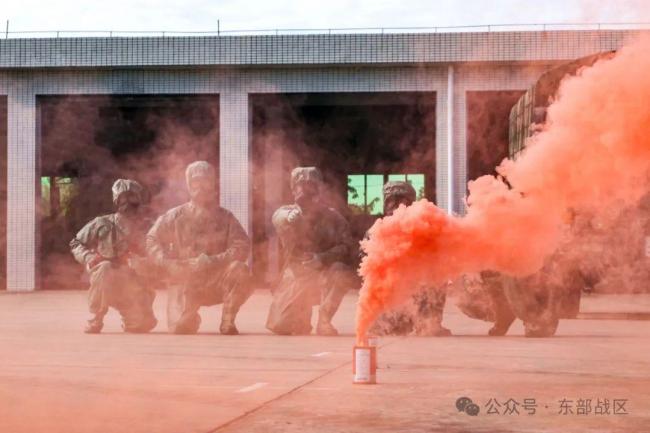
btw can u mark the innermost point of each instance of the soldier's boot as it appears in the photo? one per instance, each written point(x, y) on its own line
point(299, 329)
point(238, 290)
point(501, 326)
point(188, 323)
point(326, 311)
point(433, 329)
point(504, 315)
point(392, 323)
point(442, 332)
point(182, 310)
point(431, 305)
point(99, 296)
point(136, 311)
point(227, 326)
point(534, 331)
point(141, 326)
point(95, 325)
point(339, 280)
point(428, 323)
point(136, 319)
point(541, 328)
point(149, 323)
point(325, 327)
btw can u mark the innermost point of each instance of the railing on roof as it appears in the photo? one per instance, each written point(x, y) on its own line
point(330, 31)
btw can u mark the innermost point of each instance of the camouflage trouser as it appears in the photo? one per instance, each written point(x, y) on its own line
point(492, 305)
point(301, 288)
point(539, 300)
point(422, 315)
point(117, 286)
point(228, 284)
point(534, 302)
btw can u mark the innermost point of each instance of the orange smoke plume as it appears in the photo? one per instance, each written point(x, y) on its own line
point(594, 152)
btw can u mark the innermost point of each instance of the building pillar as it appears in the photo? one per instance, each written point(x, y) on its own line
point(21, 187)
point(445, 143)
point(234, 155)
point(451, 172)
point(459, 138)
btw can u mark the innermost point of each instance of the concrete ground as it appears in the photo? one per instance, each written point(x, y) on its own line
point(54, 378)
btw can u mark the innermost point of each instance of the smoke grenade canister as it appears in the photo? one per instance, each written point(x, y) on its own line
point(364, 365)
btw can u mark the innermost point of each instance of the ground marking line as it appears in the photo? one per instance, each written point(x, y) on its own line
point(291, 391)
point(318, 355)
point(253, 387)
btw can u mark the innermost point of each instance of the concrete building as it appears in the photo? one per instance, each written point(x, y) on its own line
point(461, 79)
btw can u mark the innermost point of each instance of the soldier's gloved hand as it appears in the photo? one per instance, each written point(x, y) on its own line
point(294, 216)
point(314, 262)
point(199, 263)
point(94, 260)
point(175, 267)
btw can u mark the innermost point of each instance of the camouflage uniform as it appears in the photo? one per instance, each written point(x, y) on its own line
point(423, 316)
point(483, 298)
point(316, 246)
point(542, 299)
point(109, 246)
point(203, 249)
point(539, 300)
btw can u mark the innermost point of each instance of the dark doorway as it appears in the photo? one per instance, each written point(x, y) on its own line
point(3, 192)
point(487, 129)
point(358, 140)
point(87, 142)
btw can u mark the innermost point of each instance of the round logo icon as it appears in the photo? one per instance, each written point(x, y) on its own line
point(462, 403)
point(472, 409)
